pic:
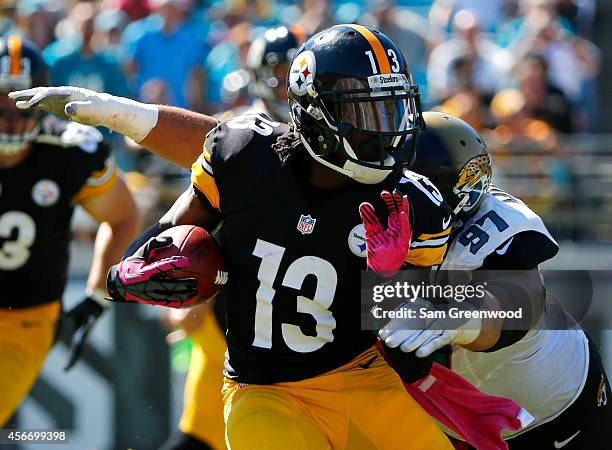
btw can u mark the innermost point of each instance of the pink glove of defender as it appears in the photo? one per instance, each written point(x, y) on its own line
point(387, 249)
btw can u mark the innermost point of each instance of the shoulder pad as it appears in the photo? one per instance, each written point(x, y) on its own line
point(226, 116)
point(252, 129)
point(498, 219)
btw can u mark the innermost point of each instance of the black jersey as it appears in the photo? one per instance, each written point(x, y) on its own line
point(66, 163)
point(295, 252)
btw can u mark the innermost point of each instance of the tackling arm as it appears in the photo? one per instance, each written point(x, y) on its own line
point(174, 134)
point(178, 135)
point(509, 291)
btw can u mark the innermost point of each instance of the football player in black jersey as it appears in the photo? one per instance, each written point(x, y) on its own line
point(499, 232)
point(201, 424)
point(46, 168)
point(299, 371)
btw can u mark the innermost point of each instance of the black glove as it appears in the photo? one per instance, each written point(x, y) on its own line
point(137, 279)
point(80, 321)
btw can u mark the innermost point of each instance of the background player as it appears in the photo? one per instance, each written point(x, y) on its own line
point(499, 232)
point(299, 370)
point(46, 168)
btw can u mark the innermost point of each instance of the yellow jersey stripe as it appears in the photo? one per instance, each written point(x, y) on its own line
point(100, 177)
point(204, 181)
point(379, 50)
point(424, 236)
point(91, 190)
point(426, 256)
point(206, 155)
point(14, 48)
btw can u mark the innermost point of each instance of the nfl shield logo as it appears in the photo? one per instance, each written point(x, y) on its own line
point(306, 224)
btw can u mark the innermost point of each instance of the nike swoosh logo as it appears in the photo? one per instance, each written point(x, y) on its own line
point(367, 363)
point(446, 223)
point(562, 444)
point(129, 276)
point(504, 249)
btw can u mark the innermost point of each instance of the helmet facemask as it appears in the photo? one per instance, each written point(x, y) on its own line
point(369, 124)
point(17, 127)
point(21, 67)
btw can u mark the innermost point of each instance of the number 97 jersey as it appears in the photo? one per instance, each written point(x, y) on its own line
point(295, 252)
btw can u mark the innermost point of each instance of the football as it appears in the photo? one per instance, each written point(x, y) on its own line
point(206, 263)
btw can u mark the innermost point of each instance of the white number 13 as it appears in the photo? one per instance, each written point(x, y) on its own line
point(327, 280)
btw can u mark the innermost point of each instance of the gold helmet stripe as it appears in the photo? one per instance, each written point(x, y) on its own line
point(379, 50)
point(14, 48)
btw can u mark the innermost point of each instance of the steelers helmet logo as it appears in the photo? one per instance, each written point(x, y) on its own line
point(302, 72)
point(45, 192)
point(356, 241)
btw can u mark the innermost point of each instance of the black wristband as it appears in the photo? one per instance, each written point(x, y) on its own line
point(154, 230)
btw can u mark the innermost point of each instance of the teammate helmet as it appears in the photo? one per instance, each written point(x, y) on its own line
point(21, 67)
point(350, 89)
point(268, 60)
point(455, 158)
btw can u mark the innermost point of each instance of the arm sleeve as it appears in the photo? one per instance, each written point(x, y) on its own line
point(430, 218)
point(523, 251)
point(431, 226)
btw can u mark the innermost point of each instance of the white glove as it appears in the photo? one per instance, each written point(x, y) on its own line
point(414, 335)
point(128, 117)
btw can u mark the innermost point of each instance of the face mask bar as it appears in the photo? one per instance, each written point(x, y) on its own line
point(17, 129)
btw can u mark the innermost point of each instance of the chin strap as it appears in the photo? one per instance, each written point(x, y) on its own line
point(360, 173)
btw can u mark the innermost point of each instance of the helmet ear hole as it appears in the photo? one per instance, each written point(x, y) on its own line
point(320, 140)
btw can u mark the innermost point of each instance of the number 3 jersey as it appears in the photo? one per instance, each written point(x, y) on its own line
point(66, 164)
point(295, 252)
point(505, 234)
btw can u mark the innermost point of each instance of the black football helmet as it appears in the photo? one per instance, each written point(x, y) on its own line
point(353, 103)
point(21, 67)
point(268, 60)
point(456, 159)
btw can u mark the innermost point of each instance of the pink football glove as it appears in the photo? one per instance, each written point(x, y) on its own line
point(387, 249)
point(136, 279)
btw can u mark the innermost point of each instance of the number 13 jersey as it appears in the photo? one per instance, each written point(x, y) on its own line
point(295, 253)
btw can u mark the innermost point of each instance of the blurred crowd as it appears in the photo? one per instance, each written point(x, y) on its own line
point(517, 70)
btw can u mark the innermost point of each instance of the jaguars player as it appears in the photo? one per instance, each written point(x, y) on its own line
point(46, 168)
point(556, 375)
point(201, 424)
point(299, 369)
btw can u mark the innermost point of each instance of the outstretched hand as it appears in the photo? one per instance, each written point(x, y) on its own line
point(69, 103)
point(387, 248)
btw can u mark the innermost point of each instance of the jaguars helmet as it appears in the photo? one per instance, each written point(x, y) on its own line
point(352, 102)
point(456, 159)
point(268, 61)
point(21, 67)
